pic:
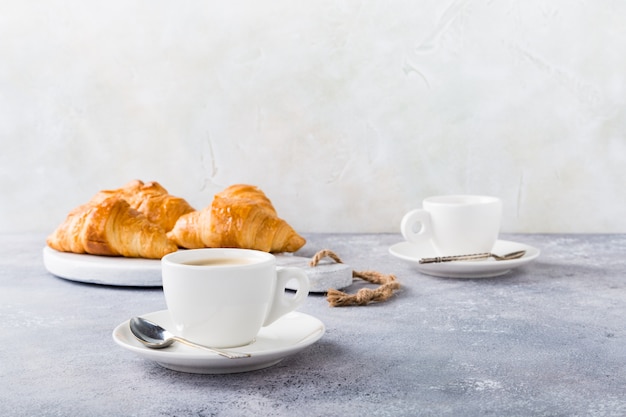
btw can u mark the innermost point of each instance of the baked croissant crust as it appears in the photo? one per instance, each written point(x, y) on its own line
point(241, 216)
point(151, 199)
point(111, 227)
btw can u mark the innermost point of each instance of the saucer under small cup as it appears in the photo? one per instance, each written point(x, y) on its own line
point(413, 252)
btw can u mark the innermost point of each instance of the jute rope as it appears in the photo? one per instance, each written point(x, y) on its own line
point(387, 284)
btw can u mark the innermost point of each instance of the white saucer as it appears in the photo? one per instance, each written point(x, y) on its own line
point(413, 252)
point(286, 336)
point(104, 270)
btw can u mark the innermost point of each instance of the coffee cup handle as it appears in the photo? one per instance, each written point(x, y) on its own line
point(283, 303)
point(411, 220)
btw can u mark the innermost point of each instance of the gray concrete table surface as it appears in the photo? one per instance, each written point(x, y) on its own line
point(547, 339)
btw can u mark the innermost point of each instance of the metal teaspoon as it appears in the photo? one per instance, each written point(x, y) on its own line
point(156, 337)
point(507, 257)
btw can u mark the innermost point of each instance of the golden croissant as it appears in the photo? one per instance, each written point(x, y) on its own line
point(241, 216)
point(152, 200)
point(110, 226)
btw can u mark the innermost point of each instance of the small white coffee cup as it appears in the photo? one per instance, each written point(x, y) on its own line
point(222, 297)
point(455, 224)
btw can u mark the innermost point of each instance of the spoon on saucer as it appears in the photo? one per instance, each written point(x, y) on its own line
point(477, 256)
point(156, 337)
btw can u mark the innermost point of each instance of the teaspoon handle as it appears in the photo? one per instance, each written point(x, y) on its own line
point(440, 259)
point(226, 353)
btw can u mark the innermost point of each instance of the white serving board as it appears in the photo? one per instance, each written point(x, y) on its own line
point(137, 272)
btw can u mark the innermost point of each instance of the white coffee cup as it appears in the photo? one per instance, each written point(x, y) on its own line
point(455, 224)
point(222, 297)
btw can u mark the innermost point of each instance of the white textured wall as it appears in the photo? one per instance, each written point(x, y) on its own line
point(346, 113)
